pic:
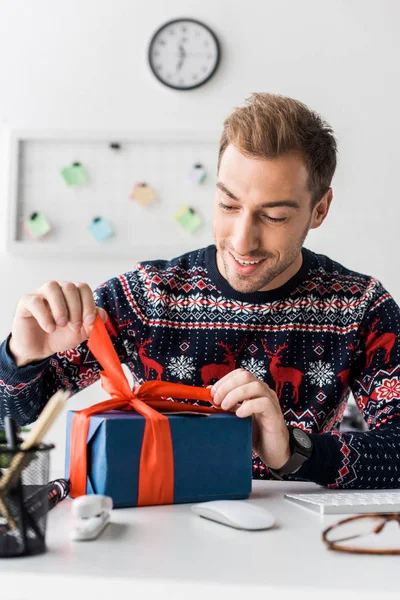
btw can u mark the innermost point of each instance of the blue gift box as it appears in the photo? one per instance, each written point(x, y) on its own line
point(212, 456)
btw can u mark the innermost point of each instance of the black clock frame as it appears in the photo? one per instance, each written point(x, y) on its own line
point(209, 76)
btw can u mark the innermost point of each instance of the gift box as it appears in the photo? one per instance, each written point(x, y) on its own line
point(141, 448)
point(211, 455)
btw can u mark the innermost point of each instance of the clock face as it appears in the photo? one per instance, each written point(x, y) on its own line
point(184, 54)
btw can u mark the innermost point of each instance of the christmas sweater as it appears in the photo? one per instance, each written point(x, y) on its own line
point(326, 332)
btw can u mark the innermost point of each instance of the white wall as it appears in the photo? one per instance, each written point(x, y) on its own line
point(82, 65)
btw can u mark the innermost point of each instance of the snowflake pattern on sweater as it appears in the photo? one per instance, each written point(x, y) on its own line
point(325, 333)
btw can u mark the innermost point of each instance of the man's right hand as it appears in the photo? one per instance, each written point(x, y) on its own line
point(57, 317)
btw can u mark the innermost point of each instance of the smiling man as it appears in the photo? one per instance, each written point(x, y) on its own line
point(280, 333)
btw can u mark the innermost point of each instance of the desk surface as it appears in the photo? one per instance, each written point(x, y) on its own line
point(170, 551)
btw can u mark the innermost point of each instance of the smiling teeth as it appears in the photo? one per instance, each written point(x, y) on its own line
point(243, 262)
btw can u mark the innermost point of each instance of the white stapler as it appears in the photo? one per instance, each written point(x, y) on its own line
point(92, 514)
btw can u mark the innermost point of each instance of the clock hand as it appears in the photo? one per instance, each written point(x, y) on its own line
point(182, 55)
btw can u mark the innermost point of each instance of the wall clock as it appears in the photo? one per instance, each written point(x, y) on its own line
point(184, 54)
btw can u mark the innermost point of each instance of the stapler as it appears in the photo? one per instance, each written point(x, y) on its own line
point(92, 514)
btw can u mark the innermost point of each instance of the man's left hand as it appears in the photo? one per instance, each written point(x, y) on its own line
point(242, 392)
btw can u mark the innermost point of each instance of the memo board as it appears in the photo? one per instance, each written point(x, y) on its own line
point(163, 161)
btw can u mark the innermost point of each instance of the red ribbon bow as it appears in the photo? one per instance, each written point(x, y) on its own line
point(156, 471)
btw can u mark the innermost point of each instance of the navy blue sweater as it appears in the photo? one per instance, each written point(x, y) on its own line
point(324, 333)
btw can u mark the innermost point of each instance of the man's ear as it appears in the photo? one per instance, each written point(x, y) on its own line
point(321, 209)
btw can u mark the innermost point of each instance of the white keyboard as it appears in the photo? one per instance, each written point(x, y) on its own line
point(349, 502)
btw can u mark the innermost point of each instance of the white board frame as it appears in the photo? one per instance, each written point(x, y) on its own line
point(34, 248)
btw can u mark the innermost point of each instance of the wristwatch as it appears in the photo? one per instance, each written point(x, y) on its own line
point(301, 447)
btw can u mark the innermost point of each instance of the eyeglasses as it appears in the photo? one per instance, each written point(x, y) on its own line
point(358, 527)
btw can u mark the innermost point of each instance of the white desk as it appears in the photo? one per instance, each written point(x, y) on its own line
point(170, 552)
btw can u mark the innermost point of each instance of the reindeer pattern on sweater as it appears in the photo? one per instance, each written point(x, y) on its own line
point(326, 333)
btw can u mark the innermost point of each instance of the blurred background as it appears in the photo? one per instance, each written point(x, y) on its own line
point(82, 66)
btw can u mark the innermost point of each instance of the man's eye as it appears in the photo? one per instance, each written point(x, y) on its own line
point(226, 207)
point(272, 220)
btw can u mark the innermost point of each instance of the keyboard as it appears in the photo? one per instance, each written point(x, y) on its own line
point(349, 502)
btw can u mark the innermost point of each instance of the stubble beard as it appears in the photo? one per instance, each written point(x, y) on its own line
point(250, 284)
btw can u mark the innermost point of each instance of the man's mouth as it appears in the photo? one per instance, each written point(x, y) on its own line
point(246, 263)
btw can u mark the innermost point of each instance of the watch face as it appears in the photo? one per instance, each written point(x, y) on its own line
point(184, 54)
point(302, 438)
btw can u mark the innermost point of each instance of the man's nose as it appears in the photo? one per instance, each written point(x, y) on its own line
point(245, 239)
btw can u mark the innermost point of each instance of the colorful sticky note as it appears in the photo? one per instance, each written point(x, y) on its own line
point(100, 229)
point(188, 218)
point(37, 225)
point(75, 175)
point(143, 193)
point(198, 173)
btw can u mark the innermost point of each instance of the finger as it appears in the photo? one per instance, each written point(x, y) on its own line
point(35, 306)
point(87, 301)
point(74, 304)
point(54, 296)
point(218, 384)
point(103, 313)
point(236, 378)
point(256, 406)
point(243, 392)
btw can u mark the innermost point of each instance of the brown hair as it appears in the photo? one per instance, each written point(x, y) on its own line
point(269, 125)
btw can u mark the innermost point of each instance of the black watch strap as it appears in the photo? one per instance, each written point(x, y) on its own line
point(301, 446)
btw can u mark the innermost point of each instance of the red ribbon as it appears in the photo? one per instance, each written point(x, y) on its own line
point(156, 470)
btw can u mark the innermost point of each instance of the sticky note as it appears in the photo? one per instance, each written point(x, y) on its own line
point(143, 193)
point(188, 218)
point(75, 175)
point(100, 229)
point(198, 173)
point(37, 225)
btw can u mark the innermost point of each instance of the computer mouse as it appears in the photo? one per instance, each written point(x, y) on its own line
point(235, 513)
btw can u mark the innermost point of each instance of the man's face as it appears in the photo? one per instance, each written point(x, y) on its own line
point(262, 214)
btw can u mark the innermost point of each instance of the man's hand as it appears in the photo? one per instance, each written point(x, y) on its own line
point(57, 317)
point(243, 393)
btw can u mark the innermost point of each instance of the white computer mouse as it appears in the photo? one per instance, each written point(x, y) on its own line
point(235, 513)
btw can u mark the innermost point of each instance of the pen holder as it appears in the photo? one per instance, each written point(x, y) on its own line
point(24, 502)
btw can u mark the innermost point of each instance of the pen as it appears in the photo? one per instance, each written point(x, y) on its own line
point(11, 435)
point(12, 444)
point(47, 497)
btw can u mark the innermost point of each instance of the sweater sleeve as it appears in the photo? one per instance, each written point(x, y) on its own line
point(370, 459)
point(24, 391)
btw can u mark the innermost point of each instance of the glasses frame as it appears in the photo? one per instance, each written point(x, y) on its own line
point(384, 517)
